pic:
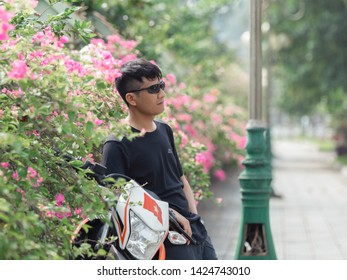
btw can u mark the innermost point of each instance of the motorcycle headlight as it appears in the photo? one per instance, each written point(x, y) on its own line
point(143, 241)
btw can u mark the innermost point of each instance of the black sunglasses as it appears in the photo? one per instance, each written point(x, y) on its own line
point(153, 89)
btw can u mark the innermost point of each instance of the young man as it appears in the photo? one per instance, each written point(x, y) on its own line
point(152, 159)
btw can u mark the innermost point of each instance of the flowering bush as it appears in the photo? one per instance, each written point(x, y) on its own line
point(58, 101)
point(53, 99)
point(201, 119)
point(204, 118)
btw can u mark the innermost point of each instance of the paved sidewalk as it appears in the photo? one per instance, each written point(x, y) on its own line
point(308, 223)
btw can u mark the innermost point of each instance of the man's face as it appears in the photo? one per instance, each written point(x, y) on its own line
point(145, 102)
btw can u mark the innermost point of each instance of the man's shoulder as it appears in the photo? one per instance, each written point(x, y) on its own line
point(113, 138)
point(162, 124)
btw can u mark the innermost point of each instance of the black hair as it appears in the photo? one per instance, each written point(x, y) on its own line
point(133, 73)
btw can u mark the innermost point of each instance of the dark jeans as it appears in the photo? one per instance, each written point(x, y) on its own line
point(201, 251)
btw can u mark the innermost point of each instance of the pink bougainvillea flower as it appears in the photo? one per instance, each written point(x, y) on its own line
point(45, 38)
point(242, 142)
point(112, 74)
point(200, 158)
point(97, 42)
point(127, 58)
point(21, 56)
point(35, 133)
point(59, 215)
point(184, 117)
point(5, 15)
point(15, 176)
point(182, 86)
point(34, 177)
point(184, 138)
point(206, 159)
point(190, 130)
point(78, 211)
point(113, 39)
point(34, 3)
point(15, 93)
point(38, 37)
point(209, 98)
point(220, 175)
point(89, 157)
point(32, 172)
point(4, 165)
point(179, 101)
point(62, 41)
point(128, 45)
point(75, 66)
point(36, 54)
point(5, 26)
point(59, 199)
point(217, 119)
point(98, 122)
point(38, 182)
point(195, 105)
point(171, 78)
point(19, 70)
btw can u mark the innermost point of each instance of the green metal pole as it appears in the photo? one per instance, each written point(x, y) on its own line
point(255, 239)
point(268, 150)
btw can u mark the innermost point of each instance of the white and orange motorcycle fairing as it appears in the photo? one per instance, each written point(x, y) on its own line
point(141, 221)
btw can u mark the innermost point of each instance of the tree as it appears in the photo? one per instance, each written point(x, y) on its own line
point(312, 63)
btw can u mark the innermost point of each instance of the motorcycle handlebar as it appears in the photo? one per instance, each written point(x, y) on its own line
point(118, 175)
point(98, 170)
point(179, 229)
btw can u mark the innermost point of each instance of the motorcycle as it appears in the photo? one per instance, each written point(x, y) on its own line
point(136, 225)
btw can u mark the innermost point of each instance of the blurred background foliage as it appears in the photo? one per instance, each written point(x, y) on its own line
point(178, 34)
point(306, 48)
point(309, 42)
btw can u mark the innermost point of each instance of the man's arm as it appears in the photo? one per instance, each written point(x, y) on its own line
point(192, 207)
point(186, 186)
point(189, 195)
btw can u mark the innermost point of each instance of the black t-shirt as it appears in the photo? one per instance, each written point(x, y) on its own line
point(152, 161)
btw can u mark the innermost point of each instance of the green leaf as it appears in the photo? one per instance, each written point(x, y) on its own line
point(76, 163)
point(101, 252)
point(89, 126)
point(4, 205)
point(101, 85)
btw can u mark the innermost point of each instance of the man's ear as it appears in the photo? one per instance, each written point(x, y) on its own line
point(130, 98)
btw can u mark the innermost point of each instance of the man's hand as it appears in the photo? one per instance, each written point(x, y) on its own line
point(184, 223)
point(189, 195)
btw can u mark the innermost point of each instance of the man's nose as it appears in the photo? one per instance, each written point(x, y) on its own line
point(161, 93)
